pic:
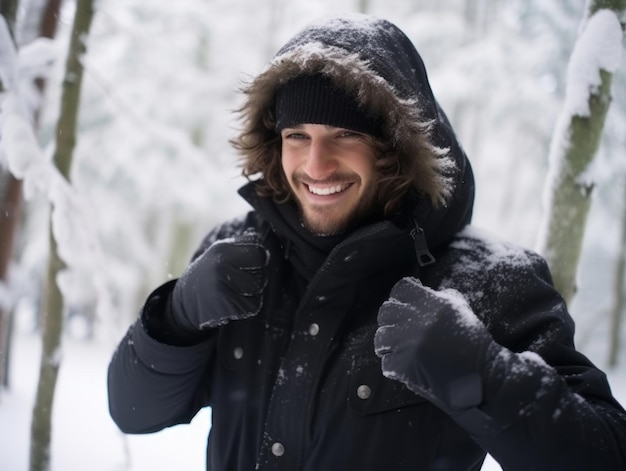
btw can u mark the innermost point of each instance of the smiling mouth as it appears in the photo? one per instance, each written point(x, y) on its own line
point(328, 190)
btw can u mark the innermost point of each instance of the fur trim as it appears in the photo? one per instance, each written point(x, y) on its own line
point(403, 124)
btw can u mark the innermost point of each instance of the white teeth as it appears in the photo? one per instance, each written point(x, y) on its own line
point(327, 190)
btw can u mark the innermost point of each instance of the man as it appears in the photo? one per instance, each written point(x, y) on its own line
point(353, 319)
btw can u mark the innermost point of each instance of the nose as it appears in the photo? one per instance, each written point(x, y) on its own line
point(320, 162)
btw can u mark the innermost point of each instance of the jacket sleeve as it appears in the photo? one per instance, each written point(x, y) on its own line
point(153, 385)
point(545, 405)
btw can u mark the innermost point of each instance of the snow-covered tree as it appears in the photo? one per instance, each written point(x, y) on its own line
point(53, 309)
point(24, 68)
point(595, 59)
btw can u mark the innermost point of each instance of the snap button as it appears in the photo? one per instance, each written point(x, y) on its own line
point(364, 391)
point(238, 353)
point(314, 329)
point(278, 449)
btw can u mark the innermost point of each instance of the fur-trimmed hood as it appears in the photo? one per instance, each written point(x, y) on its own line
point(375, 62)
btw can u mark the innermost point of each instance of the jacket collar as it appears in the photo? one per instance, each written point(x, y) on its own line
point(308, 252)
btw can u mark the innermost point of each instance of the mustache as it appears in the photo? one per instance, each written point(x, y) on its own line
point(334, 179)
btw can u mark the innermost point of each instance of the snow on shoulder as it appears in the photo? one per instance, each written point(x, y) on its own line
point(481, 263)
point(496, 252)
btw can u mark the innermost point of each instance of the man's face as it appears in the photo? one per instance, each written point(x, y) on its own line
point(332, 174)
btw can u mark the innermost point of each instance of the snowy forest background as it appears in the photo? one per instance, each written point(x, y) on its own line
point(153, 171)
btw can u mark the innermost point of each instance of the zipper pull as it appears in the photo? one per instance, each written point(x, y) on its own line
point(424, 257)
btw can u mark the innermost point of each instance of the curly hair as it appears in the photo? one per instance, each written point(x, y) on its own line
point(407, 153)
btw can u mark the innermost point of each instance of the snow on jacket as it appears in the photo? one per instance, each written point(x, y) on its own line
point(298, 387)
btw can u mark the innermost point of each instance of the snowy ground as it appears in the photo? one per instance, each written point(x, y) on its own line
point(84, 437)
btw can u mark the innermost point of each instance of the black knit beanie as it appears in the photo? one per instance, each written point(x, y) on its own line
point(314, 99)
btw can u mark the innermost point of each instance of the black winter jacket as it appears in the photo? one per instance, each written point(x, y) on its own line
point(298, 387)
point(304, 373)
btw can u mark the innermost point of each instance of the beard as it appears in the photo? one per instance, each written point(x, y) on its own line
point(327, 221)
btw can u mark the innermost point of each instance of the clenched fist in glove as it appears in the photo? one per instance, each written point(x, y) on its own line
point(225, 283)
point(433, 343)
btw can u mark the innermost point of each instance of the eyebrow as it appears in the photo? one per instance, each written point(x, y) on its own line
point(327, 126)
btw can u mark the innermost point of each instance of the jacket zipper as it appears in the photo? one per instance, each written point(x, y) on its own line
point(424, 257)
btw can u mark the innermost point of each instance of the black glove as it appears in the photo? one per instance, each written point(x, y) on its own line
point(433, 343)
point(225, 283)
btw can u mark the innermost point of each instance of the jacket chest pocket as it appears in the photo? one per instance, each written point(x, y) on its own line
point(372, 393)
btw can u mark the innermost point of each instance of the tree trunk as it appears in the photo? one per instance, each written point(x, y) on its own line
point(10, 199)
point(52, 320)
point(51, 329)
point(10, 205)
point(619, 304)
point(8, 9)
point(574, 146)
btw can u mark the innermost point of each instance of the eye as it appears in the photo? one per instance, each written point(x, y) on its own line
point(294, 135)
point(350, 134)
